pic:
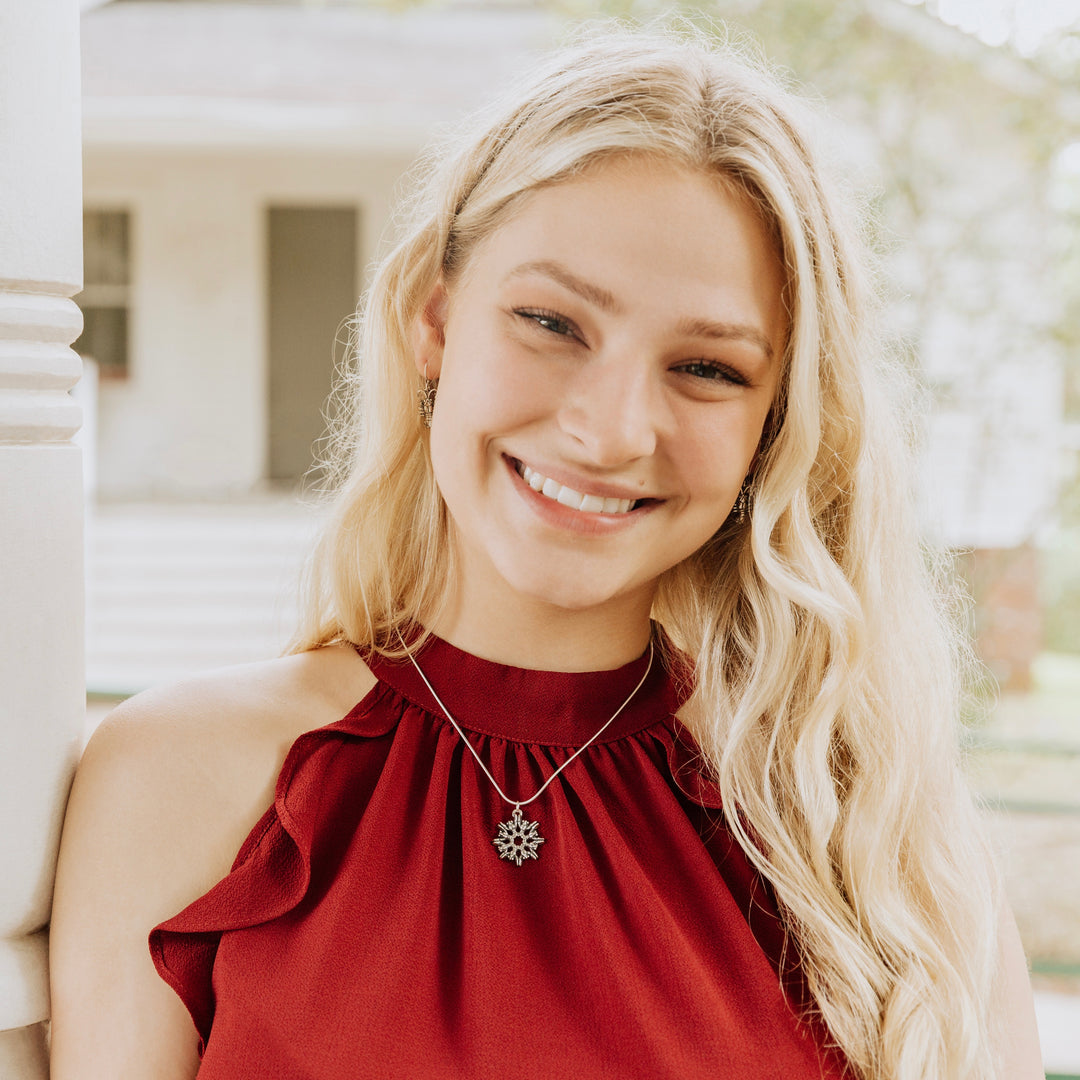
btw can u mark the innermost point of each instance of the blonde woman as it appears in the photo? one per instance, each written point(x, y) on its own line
point(619, 735)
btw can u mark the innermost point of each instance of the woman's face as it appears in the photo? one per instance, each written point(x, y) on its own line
point(606, 361)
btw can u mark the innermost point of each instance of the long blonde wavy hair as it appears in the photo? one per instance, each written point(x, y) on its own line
point(827, 688)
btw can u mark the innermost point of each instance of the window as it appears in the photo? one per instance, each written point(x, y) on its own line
point(105, 299)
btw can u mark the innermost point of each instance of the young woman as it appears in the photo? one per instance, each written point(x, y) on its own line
point(619, 736)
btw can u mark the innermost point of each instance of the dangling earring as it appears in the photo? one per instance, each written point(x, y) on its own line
point(745, 501)
point(425, 398)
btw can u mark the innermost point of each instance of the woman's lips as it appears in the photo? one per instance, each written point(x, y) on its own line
point(567, 496)
point(603, 507)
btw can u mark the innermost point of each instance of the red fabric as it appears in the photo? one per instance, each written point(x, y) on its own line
point(368, 928)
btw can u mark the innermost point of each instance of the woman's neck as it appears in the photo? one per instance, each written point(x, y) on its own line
point(541, 636)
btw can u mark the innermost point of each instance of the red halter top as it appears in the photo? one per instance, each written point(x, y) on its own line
point(370, 929)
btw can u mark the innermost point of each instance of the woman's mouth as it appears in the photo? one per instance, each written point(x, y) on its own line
point(574, 500)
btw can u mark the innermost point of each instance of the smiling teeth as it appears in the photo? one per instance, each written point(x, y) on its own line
point(592, 504)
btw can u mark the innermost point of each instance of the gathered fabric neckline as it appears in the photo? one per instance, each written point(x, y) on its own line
point(549, 708)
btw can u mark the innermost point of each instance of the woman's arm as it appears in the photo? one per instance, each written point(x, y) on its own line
point(1014, 1026)
point(119, 873)
point(170, 785)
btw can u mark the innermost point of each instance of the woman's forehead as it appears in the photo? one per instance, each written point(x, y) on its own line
point(642, 234)
point(626, 171)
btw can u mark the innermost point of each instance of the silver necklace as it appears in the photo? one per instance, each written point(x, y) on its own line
point(518, 839)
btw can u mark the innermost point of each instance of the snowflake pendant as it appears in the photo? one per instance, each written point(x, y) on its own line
point(517, 838)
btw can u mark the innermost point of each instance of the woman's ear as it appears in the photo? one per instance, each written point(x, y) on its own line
point(429, 335)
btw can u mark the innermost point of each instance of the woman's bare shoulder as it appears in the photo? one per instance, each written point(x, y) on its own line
point(200, 757)
point(169, 786)
point(194, 764)
point(268, 700)
point(232, 712)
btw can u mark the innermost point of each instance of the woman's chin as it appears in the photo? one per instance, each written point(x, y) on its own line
point(580, 593)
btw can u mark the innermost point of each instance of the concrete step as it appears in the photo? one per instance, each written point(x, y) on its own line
point(173, 589)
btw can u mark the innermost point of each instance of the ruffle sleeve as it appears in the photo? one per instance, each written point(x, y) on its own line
point(271, 874)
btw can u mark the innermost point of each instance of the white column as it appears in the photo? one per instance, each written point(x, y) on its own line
point(41, 585)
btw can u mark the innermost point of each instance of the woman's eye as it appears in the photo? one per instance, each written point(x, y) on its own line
point(707, 369)
point(548, 320)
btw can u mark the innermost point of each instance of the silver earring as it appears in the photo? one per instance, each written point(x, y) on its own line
point(425, 398)
point(745, 500)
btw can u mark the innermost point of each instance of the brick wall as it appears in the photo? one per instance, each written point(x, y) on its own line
point(1008, 619)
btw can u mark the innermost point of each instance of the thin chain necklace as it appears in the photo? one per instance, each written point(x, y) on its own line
point(518, 839)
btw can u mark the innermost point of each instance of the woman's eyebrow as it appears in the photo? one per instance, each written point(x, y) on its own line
point(560, 275)
point(725, 331)
point(606, 301)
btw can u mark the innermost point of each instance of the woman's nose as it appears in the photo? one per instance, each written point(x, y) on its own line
point(614, 411)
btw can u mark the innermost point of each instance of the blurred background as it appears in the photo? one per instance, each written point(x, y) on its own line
point(240, 167)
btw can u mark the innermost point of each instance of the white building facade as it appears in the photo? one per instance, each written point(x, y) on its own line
point(241, 163)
